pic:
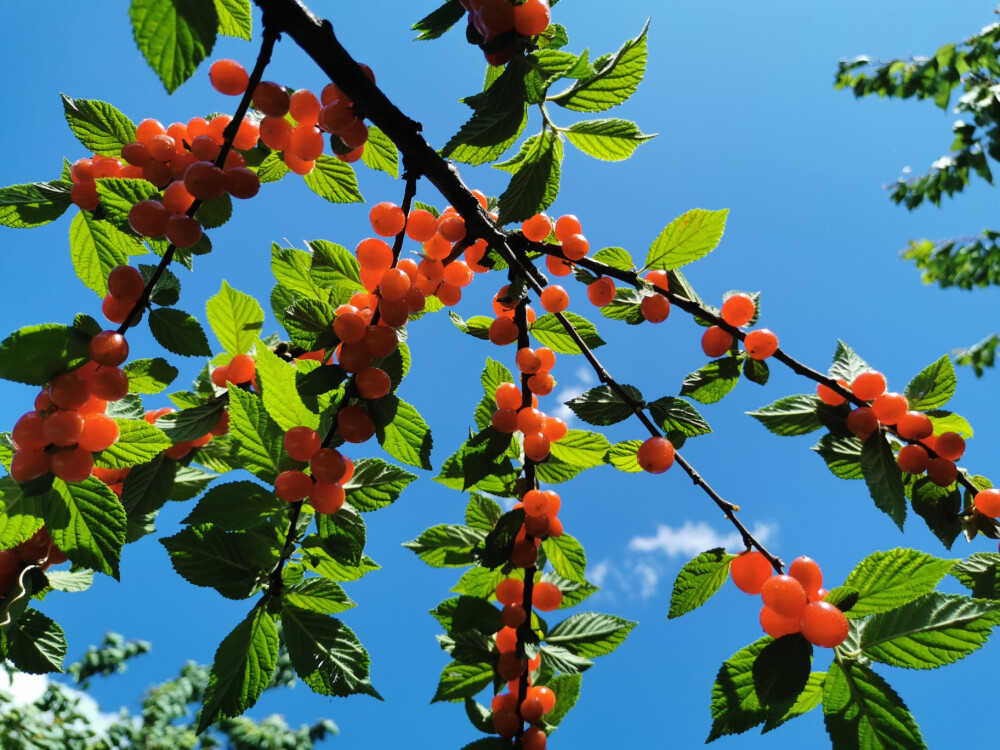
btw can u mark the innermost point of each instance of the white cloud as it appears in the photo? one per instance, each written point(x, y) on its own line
point(584, 380)
point(28, 688)
point(694, 538)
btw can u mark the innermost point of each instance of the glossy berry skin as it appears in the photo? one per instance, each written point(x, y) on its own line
point(354, 424)
point(655, 308)
point(513, 616)
point(509, 666)
point(655, 455)
point(183, 231)
point(829, 396)
point(554, 299)
point(327, 498)
point(912, 459)
point(602, 291)
point(228, 77)
point(942, 472)
point(987, 502)
point(889, 407)
point(109, 383)
point(387, 219)
point(950, 445)
point(784, 594)
point(776, 625)
point(716, 341)
point(824, 625)
point(915, 425)
point(862, 422)
point(271, 99)
point(29, 432)
point(760, 344)
point(241, 369)
point(546, 596)
point(738, 310)
point(510, 591)
point(869, 385)
point(806, 571)
point(69, 391)
point(99, 433)
point(302, 443)
point(125, 283)
point(73, 465)
point(536, 228)
point(532, 17)
point(292, 486)
point(28, 464)
point(63, 427)
point(750, 571)
point(328, 465)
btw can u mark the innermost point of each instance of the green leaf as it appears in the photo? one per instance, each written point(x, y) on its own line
point(234, 506)
point(846, 363)
point(576, 451)
point(138, 442)
point(550, 332)
point(96, 248)
point(35, 644)
point(478, 582)
point(791, 415)
point(100, 127)
point(36, 354)
point(810, 697)
point(477, 326)
point(560, 660)
point(446, 545)
point(940, 507)
point(781, 671)
point(945, 421)
point(87, 523)
point(590, 634)
point(933, 386)
point(978, 573)
point(436, 23)
point(317, 559)
point(259, 441)
point(623, 456)
point(499, 542)
point(334, 180)
point(243, 666)
point(119, 194)
point(232, 563)
point(862, 711)
point(712, 382)
point(401, 431)
point(886, 580)
point(482, 513)
point(272, 169)
point(608, 140)
point(535, 182)
point(236, 318)
point(376, 484)
point(281, 398)
point(677, 415)
point(178, 332)
point(215, 212)
point(842, 455)
point(70, 581)
point(687, 238)
point(148, 486)
point(149, 375)
point(380, 152)
point(616, 257)
point(189, 424)
point(344, 533)
point(735, 706)
point(566, 556)
point(698, 581)
point(615, 79)
point(235, 19)
point(317, 595)
point(34, 204)
point(500, 115)
point(326, 654)
point(603, 406)
point(883, 477)
point(459, 681)
point(174, 36)
point(20, 515)
point(932, 631)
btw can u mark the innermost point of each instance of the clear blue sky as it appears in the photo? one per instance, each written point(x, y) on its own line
point(742, 98)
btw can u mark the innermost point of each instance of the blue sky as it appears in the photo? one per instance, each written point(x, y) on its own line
point(742, 99)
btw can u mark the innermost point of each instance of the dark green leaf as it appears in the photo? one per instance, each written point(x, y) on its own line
point(590, 634)
point(326, 654)
point(712, 382)
point(677, 415)
point(791, 415)
point(862, 711)
point(178, 332)
point(232, 563)
point(36, 354)
point(446, 545)
point(35, 644)
point(535, 182)
point(437, 22)
point(698, 581)
point(884, 478)
point(234, 506)
point(499, 542)
point(781, 671)
point(603, 406)
point(376, 484)
point(842, 455)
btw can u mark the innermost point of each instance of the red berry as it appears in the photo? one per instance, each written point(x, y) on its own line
point(228, 77)
point(73, 465)
point(912, 459)
point(302, 443)
point(242, 369)
point(655, 455)
point(784, 594)
point(99, 432)
point(862, 422)
point(536, 228)
point(510, 591)
point(655, 308)
point(109, 383)
point(546, 596)
point(716, 341)
point(942, 472)
point(949, 445)
point(987, 502)
point(126, 284)
point(829, 396)
point(915, 425)
point(806, 571)
point(292, 486)
point(28, 464)
point(889, 407)
point(69, 391)
point(760, 344)
point(750, 571)
point(271, 99)
point(776, 625)
point(824, 625)
point(63, 427)
point(738, 310)
point(327, 498)
point(29, 432)
point(869, 385)
point(602, 291)
point(532, 17)
point(354, 424)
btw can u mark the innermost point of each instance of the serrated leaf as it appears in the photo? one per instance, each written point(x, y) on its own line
point(280, 395)
point(70, 581)
point(189, 424)
point(235, 19)
point(884, 478)
point(712, 382)
point(149, 375)
point(234, 506)
point(940, 507)
point(886, 580)
point(178, 332)
point(459, 681)
point(138, 442)
point(535, 183)
point(550, 332)
point(496, 547)
point(258, 440)
point(810, 697)
point(862, 711)
point(615, 79)
point(781, 671)
point(272, 169)
point(603, 406)
point(623, 456)
point(87, 523)
point(687, 238)
point(380, 152)
point(99, 126)
point(499, 117)
point(334, 180)
point(242, 668)
point(791, 415)
point(590, 634)
point(477, 326)
point(566, 556)
point(978, 573)
point(232, 563)
point(735, 706)
point(846, 363)
point(677, 415)
point(932, 631)
point(119, 194)
point(401, 431)
point(317, 595)
point(376, 484)
point(36, 354)
point(236, 319)
point(20, 515)
point(608, 140)
point(576, 451)
point(317, 559)
point(215, 212)
point(174, 36)
point(482, 513)
point(148, 486)
point(933, 386)
point(436, 23)
point(842, 455)
point(698, 581)
point(344, 533)
point(35, 644)
point(326, 654)
point(96, 248)
point(447, 545)
point(34, 204)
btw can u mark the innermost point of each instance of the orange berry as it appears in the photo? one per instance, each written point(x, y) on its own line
point(241, 182)
point(304, 107)
point(987, 502)
point(738, 310)
point(536, 447)
point(510, 591)
point(372, 383)
point(271, 99)
point(655, 455)
point(575, 247)
point(176, 198)
point(452, 228)
point(421, 225)
point(869, 385)
point(829, 396)
point(148, 218)
point(915, 425)
point(508, 396)
point(532, 17)
point(806, 571)
point(750, 571)
point(602, 291)
point(327, 499)
point(297, 165)
point(457, 274)
point(84, 196)
point(822, 624)
point(328, 465)
point(302, 443)
point(292, 486)
point(912, 459)
point(655, 308)
point(504, 421)
point(659, 279)
point(374, 254)
point(220, 376)
point(942, 472)
point(394, 285)
point(567, 226)
point(760, 344)
point(535, 502)
point(784, 594)
point(506, 638)
point(557, 266)
point(546, 596)
point(147, 129)
point(387, 219)
point(354, 424)
point(533, 737)
point(536, 228)
point(204, 180)
point(73, 465)
point(276, 132)
point(541, 383)
point(524, 554)
point(554, 428)
point(306, 142)
point(776, 625)
point(99, 432)
point(716, 341)
point(554, 299)
point(228, 77)
point(381, 341)
point(69, 391)
point(503, 331)
point(949, 445)
point(862, 422)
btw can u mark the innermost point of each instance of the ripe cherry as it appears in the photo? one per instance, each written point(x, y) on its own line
point(889, 407)
point(354, 424)
point(271, 99)
point(29, 463)
point(829, 396)
point(510, 591)
point(292, 486)
point(912, 459)
point(915, 425)
point(554, 298)
point(546, 596)
point(125, 283)
point(602, 291)
point(869, 385)
point(537, 228)
point(327, 498)
point(987, 502)
point(760, 344)
point(949, 445)
point(784, 594)
point(302, 443)
point(228, 77)
point(750, 571)
point(99, 433)
point(372, 383)
point(566, 226)
point(655, 455)
point(532, 17)
point(73, 465)
point(862, 422)
point(806, 571)
point(738, 310)
point(822, 624)
point(716, 341)
point(655, 308)
point(942, 472)
point(776, 625)
point(109, 383)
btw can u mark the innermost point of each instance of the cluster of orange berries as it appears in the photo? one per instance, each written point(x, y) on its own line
point(738, 310)
point(494, 18)
point(31, 552)
point(540, 430)
point(302, 143)
point(510, 667)
point(893, 409)
point(241, 369)
point(68, 424)
point(793, 603)
point(329, 471)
